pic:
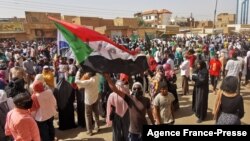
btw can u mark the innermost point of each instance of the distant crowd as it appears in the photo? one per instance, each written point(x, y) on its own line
point(38, 82)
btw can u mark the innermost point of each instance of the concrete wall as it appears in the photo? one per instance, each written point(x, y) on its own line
point(101, 30)
point(17, 36)
point(40, 17)
point(172, 29)
point(141, 31)
point(68, 18)
point(77, 21)
point(114, 30)
point(106, 22)
point(93, 21)
point(131, 22)
point(203, 24)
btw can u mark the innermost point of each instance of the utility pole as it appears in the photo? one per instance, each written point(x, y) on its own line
point(237, 12)
point(215, 10)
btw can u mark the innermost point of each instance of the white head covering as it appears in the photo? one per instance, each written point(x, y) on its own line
point(248, 53)
point(137, 84)
point(39, 77)
point(3, 96)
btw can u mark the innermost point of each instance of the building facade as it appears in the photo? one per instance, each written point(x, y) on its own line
point(35, 26)
point(223, 19)
point(155, 17)
point(93, 21)
point(204, 24)
point(131, 22)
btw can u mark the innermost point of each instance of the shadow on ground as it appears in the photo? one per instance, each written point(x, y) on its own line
point(185, 109)
point(71, 133)
point(74, 133)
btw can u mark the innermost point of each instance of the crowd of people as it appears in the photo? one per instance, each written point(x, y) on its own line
point(36, 83)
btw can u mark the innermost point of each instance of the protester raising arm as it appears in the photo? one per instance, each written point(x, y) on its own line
point(132, 100)
point(112, 85)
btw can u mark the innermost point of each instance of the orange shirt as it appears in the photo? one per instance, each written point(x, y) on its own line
point(214, 67)
point(21, 125)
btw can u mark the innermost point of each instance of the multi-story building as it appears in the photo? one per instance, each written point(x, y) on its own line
point(223, 19)
point(155, 17)
point(39, 26)
point(181, 21)
point(204, 24)
point(36, 25)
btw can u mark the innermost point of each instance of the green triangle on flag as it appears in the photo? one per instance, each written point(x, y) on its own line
point(80, 49)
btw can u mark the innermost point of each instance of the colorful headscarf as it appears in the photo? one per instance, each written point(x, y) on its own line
point(169, 73)
point(38, 86)
point(152, 64)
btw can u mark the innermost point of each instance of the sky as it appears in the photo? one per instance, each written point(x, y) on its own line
point(201, 9)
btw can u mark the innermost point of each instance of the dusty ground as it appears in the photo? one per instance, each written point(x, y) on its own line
point(183, 116)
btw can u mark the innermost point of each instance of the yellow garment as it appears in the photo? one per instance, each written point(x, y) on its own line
point(49, 78)
point(225, 44)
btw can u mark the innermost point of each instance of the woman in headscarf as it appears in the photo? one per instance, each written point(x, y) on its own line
point(118, 114)
point(171, 79)
point(38, 77)
point(229, 107)
point(138, 106)
point(200, 92)
point(169, 73)
point(152, 64)
point(155, 80)
point(48, 76)
point(44, 106)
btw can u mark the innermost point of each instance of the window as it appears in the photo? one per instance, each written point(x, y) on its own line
point(149, 17)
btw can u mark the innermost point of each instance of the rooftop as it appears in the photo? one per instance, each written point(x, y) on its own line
point(156, 12)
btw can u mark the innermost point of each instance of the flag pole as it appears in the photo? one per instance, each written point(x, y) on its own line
point(215, 10)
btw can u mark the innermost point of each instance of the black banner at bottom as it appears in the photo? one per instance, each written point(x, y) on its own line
point(163, 132)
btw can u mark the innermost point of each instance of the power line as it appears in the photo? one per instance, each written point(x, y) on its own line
point(56, 10)
point(62, 10)
point(66, 5)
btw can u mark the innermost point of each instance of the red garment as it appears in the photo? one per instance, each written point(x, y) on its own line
point(152, 64)
point(35, 104)
point(214, 67)
point(231, 52)
point(38, 86)
point(169, 73)
point(124, 77)
point(192, 59)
